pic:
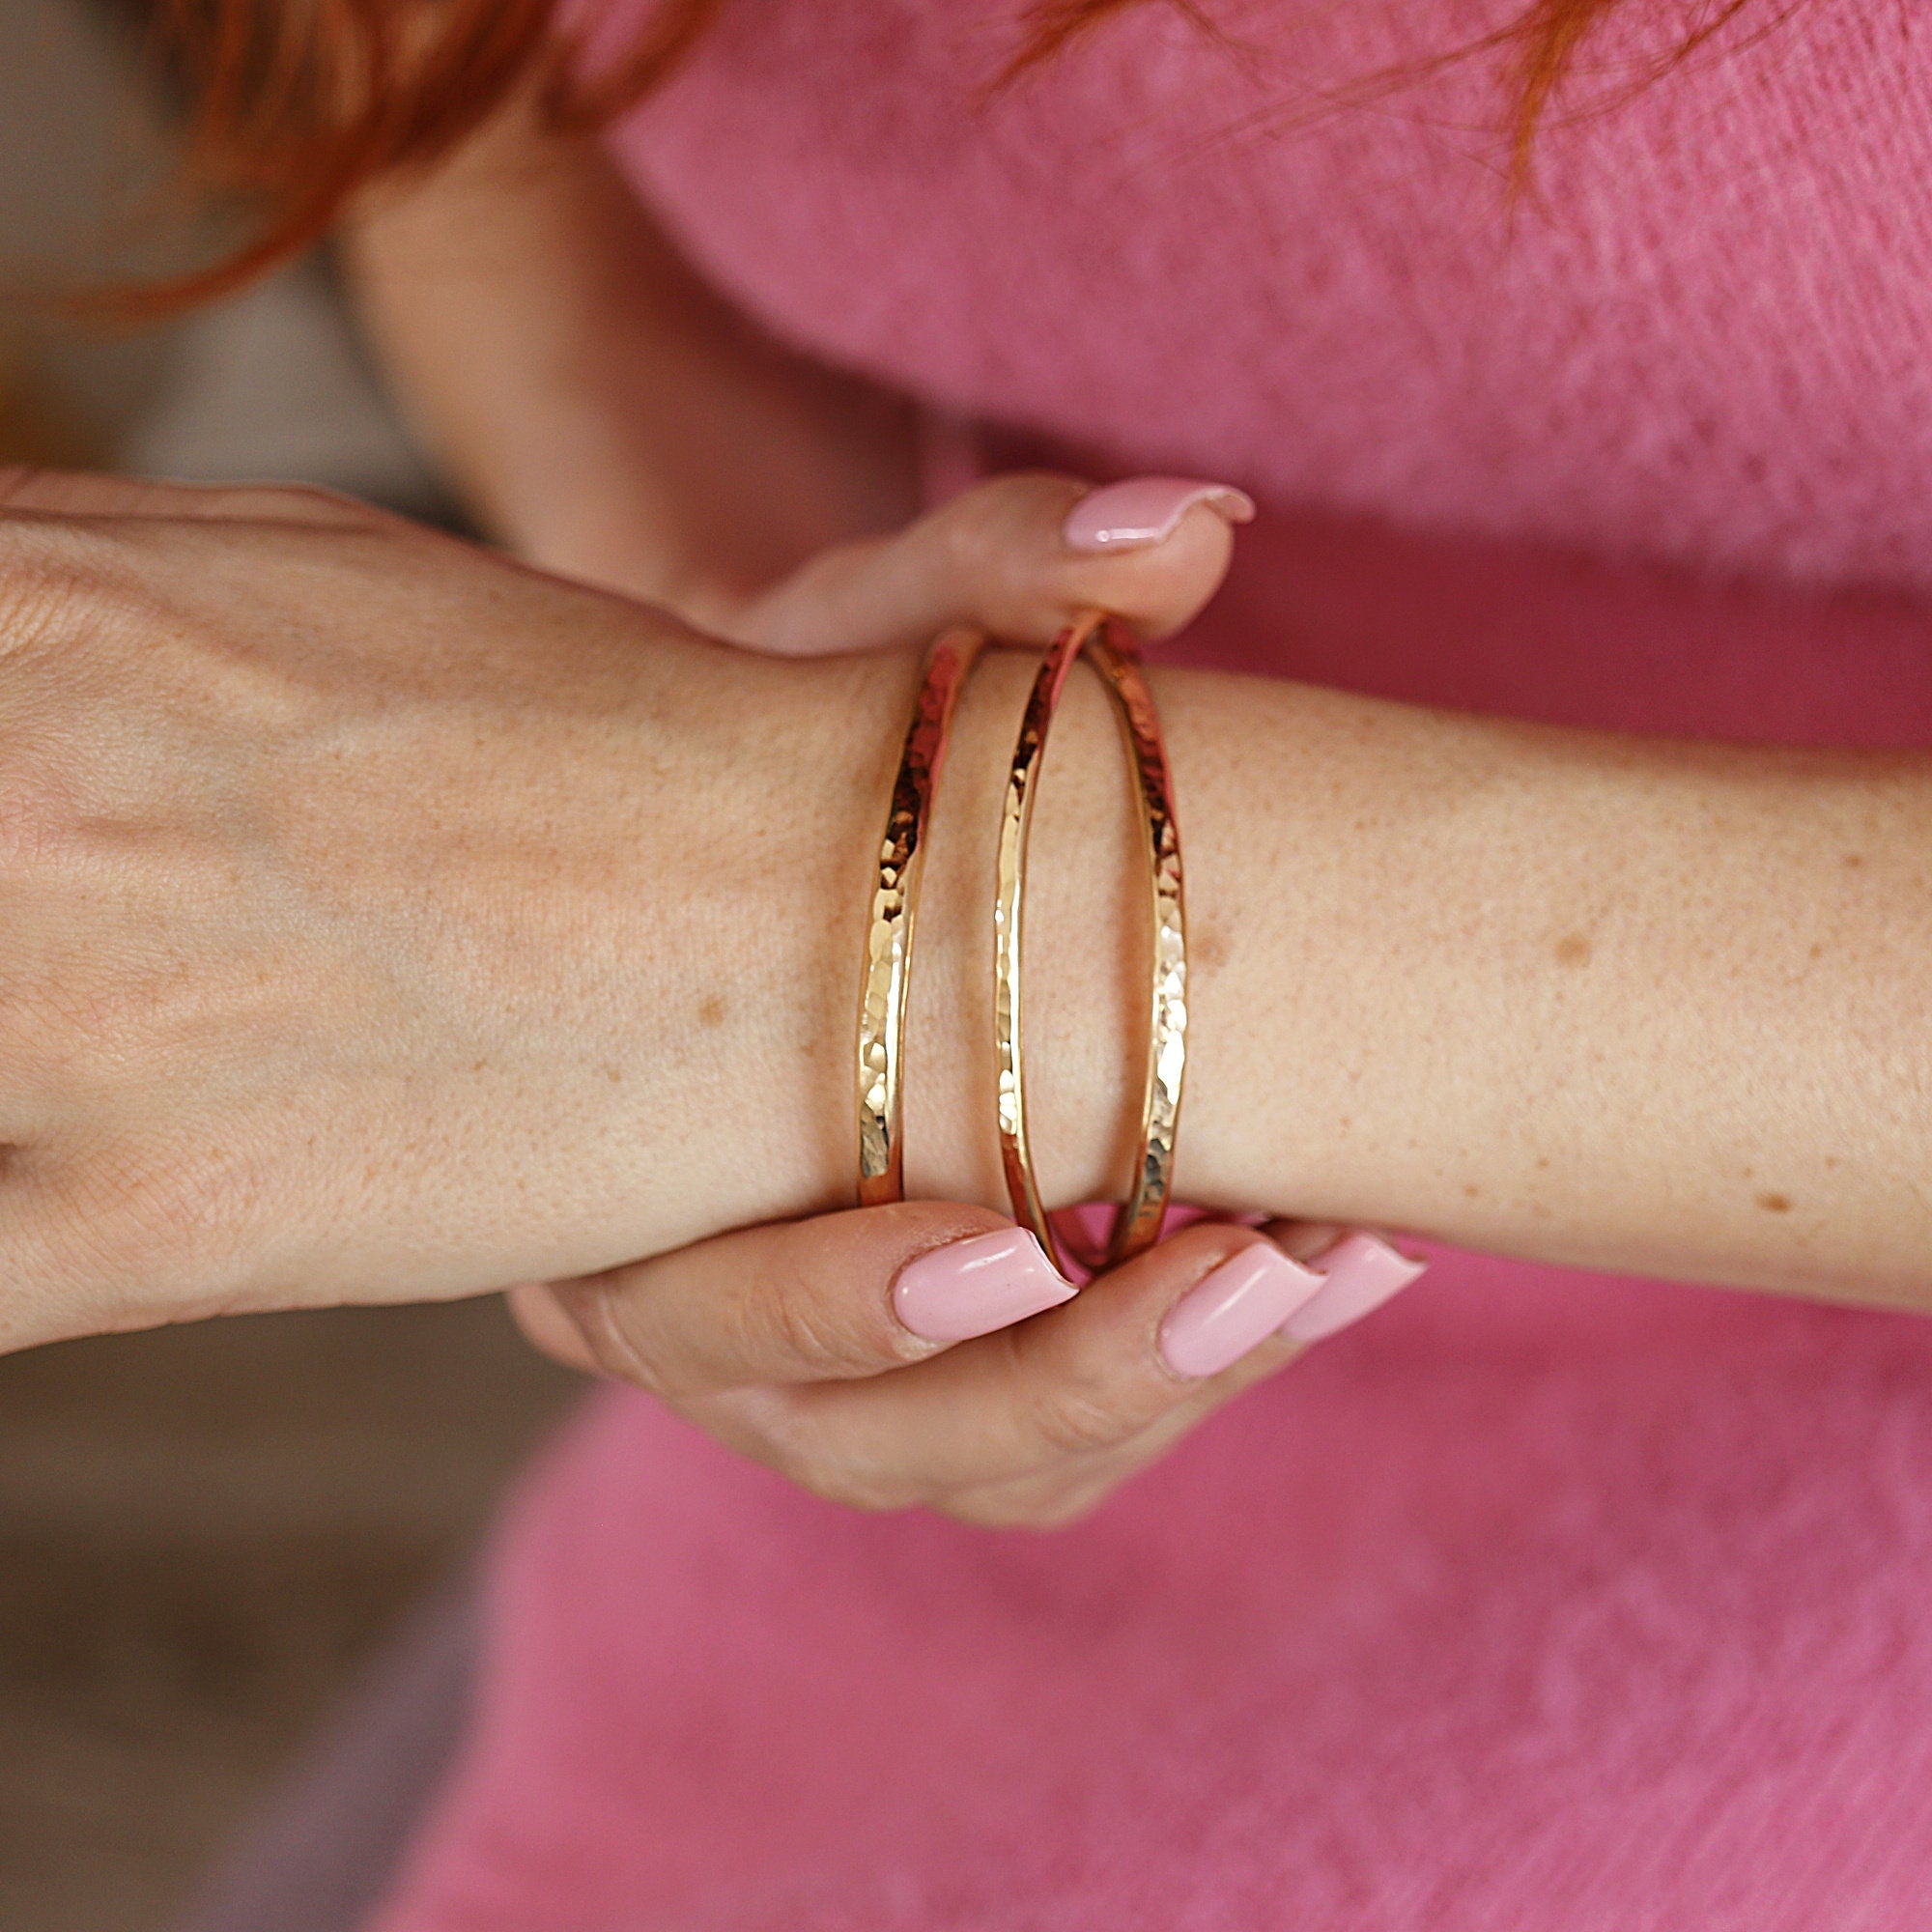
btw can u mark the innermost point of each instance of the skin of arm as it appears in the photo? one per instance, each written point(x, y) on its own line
point(1637, 1005)
point(1606, 1002)
point(602, 411)
point(381, 921)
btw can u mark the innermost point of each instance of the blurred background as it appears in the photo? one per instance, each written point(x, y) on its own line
point(206, 1534)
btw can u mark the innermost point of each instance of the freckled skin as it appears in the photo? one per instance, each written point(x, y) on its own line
point(1379, 889)
point(1390, 885)
point(1207, 950)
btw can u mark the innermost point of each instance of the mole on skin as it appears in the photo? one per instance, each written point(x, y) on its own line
point(1207, 950)
point(1774, 1203)
point(1573, 950)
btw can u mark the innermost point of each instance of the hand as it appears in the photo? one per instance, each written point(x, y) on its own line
point(379, 919)
point(925, 1353)
point(928, 1353)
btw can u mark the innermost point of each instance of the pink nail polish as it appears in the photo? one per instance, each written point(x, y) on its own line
point(1228, 1312)
point(1147, 510)
point(971, 1288)
point(1360, 1273)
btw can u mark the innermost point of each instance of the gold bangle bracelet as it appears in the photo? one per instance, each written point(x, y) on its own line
point(1136, 1224)
point(882, 999)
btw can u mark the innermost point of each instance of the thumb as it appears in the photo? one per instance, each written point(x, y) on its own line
point(1017, 556)
point(844, 1296)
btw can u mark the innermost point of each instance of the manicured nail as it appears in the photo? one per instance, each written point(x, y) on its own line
point(971, 1288)
point(1228, 1312)
point(1148, 510)
point(1360, 1273)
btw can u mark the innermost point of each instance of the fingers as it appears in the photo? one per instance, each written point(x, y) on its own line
point(1017, 556)
point(56, 492)
point(843, 1296)
point(1360, 1272)
point(1036, 1421)
point(928, 1353)
point(1178, 1329)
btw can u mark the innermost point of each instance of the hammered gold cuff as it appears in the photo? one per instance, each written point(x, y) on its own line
point(1136, 1224)
point(882, 1000)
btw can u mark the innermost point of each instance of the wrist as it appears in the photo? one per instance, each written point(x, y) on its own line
point(792, 965)
point(775, 991)
point(787, 978)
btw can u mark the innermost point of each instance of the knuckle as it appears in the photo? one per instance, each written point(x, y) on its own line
point(1077, 1418)
point(827, 1341)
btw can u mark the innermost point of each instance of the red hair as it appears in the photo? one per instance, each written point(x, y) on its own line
point(296, 104)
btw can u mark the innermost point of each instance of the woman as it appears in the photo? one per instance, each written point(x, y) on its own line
point(391, 923)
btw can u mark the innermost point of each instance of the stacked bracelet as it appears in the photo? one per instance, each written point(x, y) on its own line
point(1137, 1225)
point(882, 1015)
point(882, 1002)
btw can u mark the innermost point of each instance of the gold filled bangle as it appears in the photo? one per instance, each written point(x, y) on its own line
point(1136, 1224)
point(882, 1000)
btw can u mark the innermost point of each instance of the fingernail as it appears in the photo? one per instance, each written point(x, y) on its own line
point(1147, 510)
point(971, 1288)
point(1360, 1273)
point(1228, 1312)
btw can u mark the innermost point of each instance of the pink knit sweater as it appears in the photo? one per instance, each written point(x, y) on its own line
point(1540, 1602)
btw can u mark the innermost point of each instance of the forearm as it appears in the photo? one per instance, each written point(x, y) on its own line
point(1624, 1003)
point(602, 411)
point(1581, 998)
point(385, 920)
point(1652, 1006)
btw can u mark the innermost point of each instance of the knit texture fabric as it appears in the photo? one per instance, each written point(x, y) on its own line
point(1703, 338)
point(1540, 1602)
